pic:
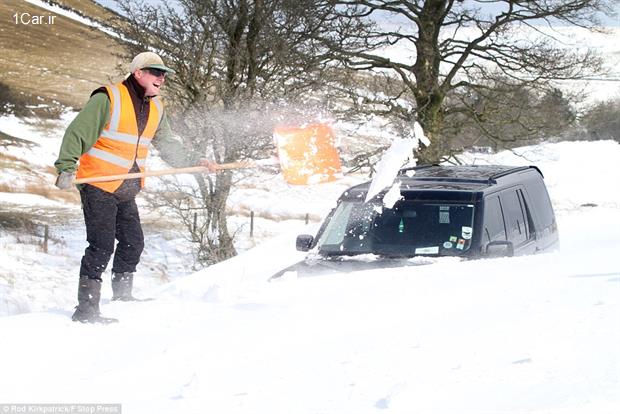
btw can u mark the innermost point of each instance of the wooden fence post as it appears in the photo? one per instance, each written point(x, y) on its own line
point(251, 224)
point(46, 237)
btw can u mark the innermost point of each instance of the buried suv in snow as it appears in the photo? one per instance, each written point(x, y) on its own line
point(465, 211)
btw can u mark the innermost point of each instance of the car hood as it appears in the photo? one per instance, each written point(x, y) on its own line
point(315, 265)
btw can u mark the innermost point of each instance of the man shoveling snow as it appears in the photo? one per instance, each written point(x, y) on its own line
point(111, 135)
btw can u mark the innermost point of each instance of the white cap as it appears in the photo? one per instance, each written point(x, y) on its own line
point(148, 60)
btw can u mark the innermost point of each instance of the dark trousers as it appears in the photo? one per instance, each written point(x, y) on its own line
point(109, 217)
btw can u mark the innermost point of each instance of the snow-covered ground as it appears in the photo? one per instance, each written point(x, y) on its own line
point(33, 281)
point(535, 334)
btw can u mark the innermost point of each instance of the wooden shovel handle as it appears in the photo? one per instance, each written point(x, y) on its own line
point(170, 171)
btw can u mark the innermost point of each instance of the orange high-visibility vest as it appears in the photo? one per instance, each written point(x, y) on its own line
point(119, 144)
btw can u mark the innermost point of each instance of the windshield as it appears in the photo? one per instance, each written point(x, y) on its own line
point(409, 228)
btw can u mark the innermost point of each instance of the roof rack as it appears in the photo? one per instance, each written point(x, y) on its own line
point(455, 180)
point(417, 167)
point(494, 177)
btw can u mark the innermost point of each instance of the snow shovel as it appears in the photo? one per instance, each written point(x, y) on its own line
point(169, 171)
point(307, 155)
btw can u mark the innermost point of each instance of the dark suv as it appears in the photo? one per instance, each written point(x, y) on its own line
point(467, 211)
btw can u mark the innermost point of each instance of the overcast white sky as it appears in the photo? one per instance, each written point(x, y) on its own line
point(491, 8)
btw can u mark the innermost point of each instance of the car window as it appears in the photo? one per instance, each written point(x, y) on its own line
point(529, 222)
point(493, 220)
point(407, 229)
point(513, 217)
point(541, 203)
point(337, 225)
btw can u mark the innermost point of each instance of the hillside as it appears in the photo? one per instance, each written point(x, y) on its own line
point(54, 64)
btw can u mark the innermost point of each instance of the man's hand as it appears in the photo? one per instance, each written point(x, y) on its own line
point(65, 180)
point(210, 165)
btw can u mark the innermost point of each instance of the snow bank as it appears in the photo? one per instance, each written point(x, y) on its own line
point(576, 173)
point(11, 302)
point(533, 334)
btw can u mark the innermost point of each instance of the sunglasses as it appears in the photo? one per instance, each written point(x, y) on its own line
point(155, 72)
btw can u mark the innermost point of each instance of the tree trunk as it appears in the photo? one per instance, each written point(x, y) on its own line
point(225, 248)
point(431, 118)
point(428, 95)
point(219, 243)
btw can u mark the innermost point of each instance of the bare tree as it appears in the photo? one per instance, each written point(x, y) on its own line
point(602, 121)
point(458, 50)
point(240, 64)
point(507, 117)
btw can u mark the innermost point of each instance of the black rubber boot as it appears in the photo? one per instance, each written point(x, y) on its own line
point(87, 310)
point(122, 286)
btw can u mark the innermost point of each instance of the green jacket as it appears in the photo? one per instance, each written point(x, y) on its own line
point(86, 128)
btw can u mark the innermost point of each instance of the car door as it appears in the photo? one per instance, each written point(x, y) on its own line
point(518, 221)
point(494, 227)
point(538, 200)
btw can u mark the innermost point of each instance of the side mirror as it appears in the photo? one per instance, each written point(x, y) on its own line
point(500, 248)
point(303, 242)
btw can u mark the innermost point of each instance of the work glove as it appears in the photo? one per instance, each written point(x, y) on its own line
point(210, 165)
point(65, 180)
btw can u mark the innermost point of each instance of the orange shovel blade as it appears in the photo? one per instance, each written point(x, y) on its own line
point(308, 155)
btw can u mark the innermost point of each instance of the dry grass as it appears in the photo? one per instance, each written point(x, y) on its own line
point(34, 180)
point(72, 196)
point(60, 62)
point(8, 158)
point(15, 220)
point(28, 229)
point(246, 211)
point(9, 140)
point(44, 190)
point(8, 161)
